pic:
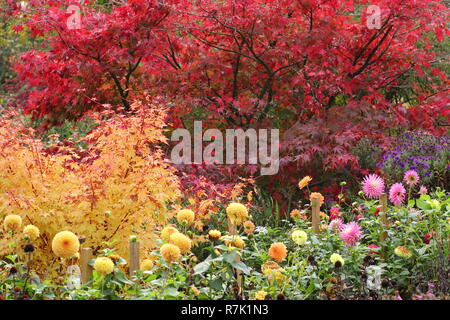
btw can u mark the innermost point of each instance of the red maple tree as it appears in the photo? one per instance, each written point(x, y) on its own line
point(316, 69)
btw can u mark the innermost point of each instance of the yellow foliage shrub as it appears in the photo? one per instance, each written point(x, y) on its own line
point(122, 185)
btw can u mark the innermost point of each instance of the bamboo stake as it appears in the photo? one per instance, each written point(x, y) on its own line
point(86, 269)
point(239, 279)
point(315, 216)
point(134, 256)
point(383, 215)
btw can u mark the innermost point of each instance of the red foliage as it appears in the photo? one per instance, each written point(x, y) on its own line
point(309, 67)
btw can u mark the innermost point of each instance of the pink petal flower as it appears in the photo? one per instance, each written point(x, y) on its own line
point(336, 225)
point(372, 186)
point(351, 233)
point(397, 193)
point(411, 177)
point(423, 190)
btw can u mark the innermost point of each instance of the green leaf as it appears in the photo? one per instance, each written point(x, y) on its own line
point(230, 257)
point(203, 266)
point(216, 284)
point(241, 266)
point(423, 205)
point(120, 276)
point(171, 291)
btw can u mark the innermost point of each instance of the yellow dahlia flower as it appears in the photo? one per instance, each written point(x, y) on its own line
point(296, 214)
point(185, 217)
point(316, 196)
point(323, 216)
point(249, 227)
point(237, 213)
point(103, 265)
point(32, 232)
point(337, 258)
point(12, 222)
point(167, 232)
point(304, 182)
point(299, 237)
point(195, 290)
point(236, 241)
point(170, 252)
point(65, 244)
point(272, 265)
point(181, 241)
point(275, 275)
point(260, 295)
point(403, 252)
point(214, 234)
point(147, 264)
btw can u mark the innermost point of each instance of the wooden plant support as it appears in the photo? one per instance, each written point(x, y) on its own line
point(134, 256)
point(239, 279)
point(383, 216)
point(86, 269)
point(315, 214)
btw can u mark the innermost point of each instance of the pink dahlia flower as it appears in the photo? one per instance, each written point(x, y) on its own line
point(397, 193)
point(351, 233)
point(372, 186)
point(411, 177)
point(336, 225)
point(423, 190)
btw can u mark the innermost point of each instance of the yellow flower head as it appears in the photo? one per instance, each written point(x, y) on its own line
point(65, 244)
point(147, 264)
point(195, 290)
point(32, 232)
point(236, 241)
point(103, 265)
point(249, 227)
point(185, 217)
point(170, 252)
point(181, 241)
point(304, 182)
point(237, 213)
point(323, 216)
point(278, 251)
point(337, 258)
point(12, 222)
point(260, 295)
point(167, 232)
point(299, 237)
point(275, 275)
point(316, 197)
point(403, 252)
point(272, 265)
point(296, 214)
point(214, 234)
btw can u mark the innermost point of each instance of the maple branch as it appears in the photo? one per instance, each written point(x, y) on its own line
point(371, 54)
